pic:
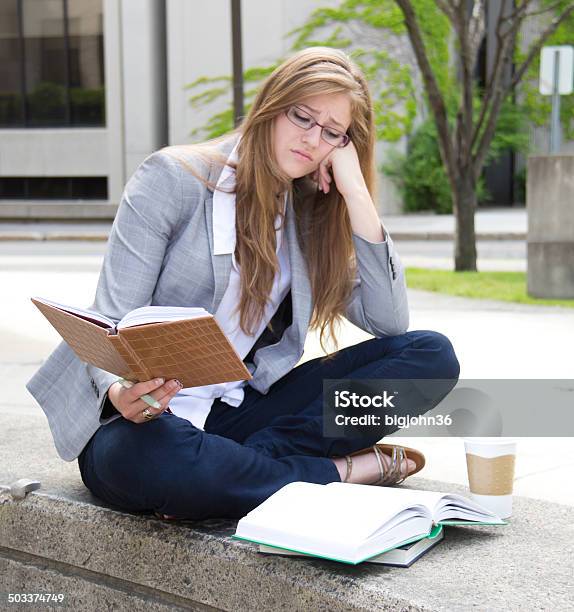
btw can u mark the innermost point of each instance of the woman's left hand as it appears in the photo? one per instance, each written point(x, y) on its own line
point(343, 163)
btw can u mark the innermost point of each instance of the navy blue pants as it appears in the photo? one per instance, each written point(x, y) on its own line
point(246, 453)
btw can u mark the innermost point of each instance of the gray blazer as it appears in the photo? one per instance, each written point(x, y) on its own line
point(160, 252)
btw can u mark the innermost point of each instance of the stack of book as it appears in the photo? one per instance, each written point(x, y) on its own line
point(354, 523)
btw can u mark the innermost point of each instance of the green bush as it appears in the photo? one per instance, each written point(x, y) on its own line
point(88, 105)
point(10, 109)
point(47, 105)
point(47, 102)
point(420, 175)
point(520, 185)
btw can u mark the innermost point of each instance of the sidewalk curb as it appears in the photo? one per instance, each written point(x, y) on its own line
point(396, 236)
point(450, 235)
point(44, 236)
point(63, 542)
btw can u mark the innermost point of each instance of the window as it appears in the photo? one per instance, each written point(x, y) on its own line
point(11, 111)
point(54, 188)
point(51, 63)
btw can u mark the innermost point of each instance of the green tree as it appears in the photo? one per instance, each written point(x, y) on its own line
point(213, 88)
point(420, 175)
point(395, 93)
point(465, 142)
point(464, 147)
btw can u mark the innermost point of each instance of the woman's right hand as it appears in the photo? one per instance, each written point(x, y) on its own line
point(131, 407)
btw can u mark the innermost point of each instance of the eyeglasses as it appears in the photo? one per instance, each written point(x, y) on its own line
point(304, 120)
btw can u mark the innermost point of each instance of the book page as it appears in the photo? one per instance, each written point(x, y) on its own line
point(338, 511)
point(160, 314)
point(404, 517)
point(358, 511)
point(453, 506)
point(392, 499)
point(441, 506)
point(88, 315)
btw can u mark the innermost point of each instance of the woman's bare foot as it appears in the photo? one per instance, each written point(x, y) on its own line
point(366, 467)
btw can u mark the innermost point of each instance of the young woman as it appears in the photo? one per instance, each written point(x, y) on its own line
point(273, 229)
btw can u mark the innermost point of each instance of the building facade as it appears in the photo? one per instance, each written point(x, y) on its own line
point(83, 100)
point(89, 88)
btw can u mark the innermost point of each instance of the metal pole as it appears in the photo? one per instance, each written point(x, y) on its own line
point(237, 62)
point(555, 122)
point(67, 67)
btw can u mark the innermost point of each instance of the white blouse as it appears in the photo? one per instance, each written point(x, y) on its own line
point(194, 403)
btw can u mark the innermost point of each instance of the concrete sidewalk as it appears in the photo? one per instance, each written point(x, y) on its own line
point(491, 224)
point(492, 340)
point(61, 539)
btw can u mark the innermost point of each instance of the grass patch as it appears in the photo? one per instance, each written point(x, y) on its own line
point(504, 286)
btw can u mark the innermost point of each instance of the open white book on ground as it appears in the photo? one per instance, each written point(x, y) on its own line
point(352, 523)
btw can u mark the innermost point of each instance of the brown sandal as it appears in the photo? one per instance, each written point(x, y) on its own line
point(392, 474)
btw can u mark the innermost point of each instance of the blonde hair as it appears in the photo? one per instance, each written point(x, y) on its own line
point(322, 221)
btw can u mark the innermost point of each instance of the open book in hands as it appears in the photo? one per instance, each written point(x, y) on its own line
point(149, 342)
point(352, 522)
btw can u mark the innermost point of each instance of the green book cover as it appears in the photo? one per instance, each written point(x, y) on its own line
point(434, 532)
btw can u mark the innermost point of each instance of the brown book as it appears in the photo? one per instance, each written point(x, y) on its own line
point(149, 342)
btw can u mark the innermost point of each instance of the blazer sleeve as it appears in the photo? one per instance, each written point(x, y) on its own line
point(378, 303)
point(147, 217)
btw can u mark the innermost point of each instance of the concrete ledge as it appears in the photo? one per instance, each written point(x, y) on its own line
point(75, 236)
point(20, 571)
point(98, 557)
point(550, 226)
point(450, 236)
point(64, 229)
point(22, 210)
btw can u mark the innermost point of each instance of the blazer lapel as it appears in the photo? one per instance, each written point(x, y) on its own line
point(300, 285)
point(221, 263)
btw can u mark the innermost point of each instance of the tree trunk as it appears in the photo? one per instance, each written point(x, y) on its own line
point(464, 207)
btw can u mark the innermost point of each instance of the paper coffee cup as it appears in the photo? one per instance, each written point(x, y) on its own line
point(490, 463)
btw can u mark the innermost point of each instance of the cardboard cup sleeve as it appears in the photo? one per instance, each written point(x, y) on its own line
point(490, 475)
